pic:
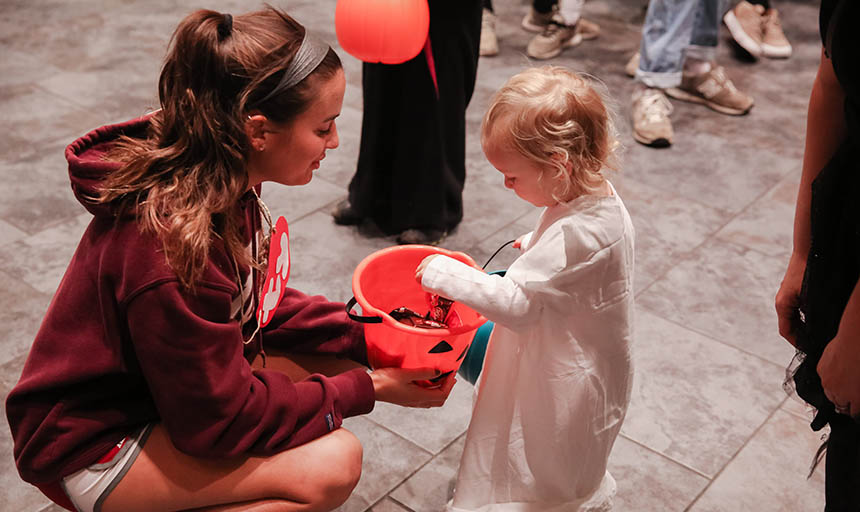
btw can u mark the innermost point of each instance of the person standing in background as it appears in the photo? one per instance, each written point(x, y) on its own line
point(412, 159)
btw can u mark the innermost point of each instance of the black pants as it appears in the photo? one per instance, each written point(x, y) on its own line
point(763, 3)
point(842, 467)
point(541, 6)
point(412, 160)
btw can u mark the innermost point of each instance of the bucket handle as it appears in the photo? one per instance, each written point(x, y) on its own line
point(358, 318)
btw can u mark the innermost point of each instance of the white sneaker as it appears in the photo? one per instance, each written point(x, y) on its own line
point(489, 41)
point(651, 124)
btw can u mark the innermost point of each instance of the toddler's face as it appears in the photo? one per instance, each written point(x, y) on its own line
point(521, 174)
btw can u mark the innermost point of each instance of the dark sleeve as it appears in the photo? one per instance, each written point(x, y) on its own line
point(825, 13)
point(208, 397)
point(312, 324)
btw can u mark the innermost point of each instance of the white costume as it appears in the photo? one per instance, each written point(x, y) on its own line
point(557, 375)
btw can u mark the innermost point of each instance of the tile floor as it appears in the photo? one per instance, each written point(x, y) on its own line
point(709, 427)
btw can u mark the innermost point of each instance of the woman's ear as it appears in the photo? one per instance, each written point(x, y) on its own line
point(255, 130)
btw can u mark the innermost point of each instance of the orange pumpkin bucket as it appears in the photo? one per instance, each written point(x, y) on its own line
point(384, 281)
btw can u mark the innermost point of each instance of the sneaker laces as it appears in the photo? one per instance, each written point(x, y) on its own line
point(654, 106)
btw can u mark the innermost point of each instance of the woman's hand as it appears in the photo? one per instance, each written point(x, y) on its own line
point(788, 297)
point(841, 359)
point(419, 272)
point(839, 376)
point(397, 386)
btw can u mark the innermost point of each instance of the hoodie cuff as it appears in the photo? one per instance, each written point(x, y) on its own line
point(355, 392)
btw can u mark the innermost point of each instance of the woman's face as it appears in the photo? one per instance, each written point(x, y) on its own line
point(292, 151)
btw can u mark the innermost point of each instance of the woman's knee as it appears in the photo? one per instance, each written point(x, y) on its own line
point(340, 469)
point(347, 458)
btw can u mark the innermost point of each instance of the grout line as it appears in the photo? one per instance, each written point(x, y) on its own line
point(732, 458)
point(711, 338)
point(419, 468)
point(664, 456)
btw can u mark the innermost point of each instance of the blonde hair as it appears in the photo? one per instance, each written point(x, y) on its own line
point(556, 118)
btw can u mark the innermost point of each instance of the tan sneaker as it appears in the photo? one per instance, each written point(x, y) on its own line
point(651, 124)
point(489, 41)
point(632, 65)
point(714, 90)
point(774, 43)
point(587, 29)
point(535, 21)
point(744, 22)
point(555, 37)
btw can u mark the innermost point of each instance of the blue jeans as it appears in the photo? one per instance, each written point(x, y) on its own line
point(673, 30)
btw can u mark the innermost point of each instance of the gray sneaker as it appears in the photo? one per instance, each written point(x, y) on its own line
point(535, 21)
point(554, 38)
point(489, 41)
point(651, 124)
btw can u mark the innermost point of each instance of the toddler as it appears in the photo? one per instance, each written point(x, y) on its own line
point(557, 375)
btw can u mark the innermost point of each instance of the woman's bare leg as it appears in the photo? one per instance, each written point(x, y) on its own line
point(317, 476)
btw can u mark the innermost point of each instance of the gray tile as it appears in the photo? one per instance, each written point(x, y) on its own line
point(650, 481)
point(21, 312)
point(389, 505)
point(696, 400)
point(9, 233)
point(796, 406)
point(296, 202)
point(324, 255)
point(35, 121)
point(767, 225)
point(41, 260)
point(38, 193)
point(431, 429)
point(388, 460)
point(770, 472)
point(726, 292)
point(432, 486)
point(14, 492)
point(668, 226)
point(701, 167)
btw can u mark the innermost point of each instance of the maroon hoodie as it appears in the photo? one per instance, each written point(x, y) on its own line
point(123, 344)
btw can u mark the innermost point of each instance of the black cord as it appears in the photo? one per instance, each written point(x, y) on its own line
point(497, 252)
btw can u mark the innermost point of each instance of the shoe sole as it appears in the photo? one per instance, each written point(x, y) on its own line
point(660, 142)
point(741, 37)
point(776, 52)
point(680, 94)
point(573, 41)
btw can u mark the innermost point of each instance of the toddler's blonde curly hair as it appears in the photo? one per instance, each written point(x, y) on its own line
point(556, 118)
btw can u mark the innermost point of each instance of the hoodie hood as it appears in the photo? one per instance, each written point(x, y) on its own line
point(88, 165)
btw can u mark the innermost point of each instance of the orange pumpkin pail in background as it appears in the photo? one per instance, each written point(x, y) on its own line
point(386, 31)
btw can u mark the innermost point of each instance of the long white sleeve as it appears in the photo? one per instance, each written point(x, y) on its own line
point(499, 299)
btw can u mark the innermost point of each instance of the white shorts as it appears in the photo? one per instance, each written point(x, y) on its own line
point(90, 487)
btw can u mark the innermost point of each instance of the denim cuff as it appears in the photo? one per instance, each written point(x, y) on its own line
point(705, 53)
point(659, 80)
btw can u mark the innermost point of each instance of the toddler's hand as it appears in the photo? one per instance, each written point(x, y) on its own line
point(419, 272)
